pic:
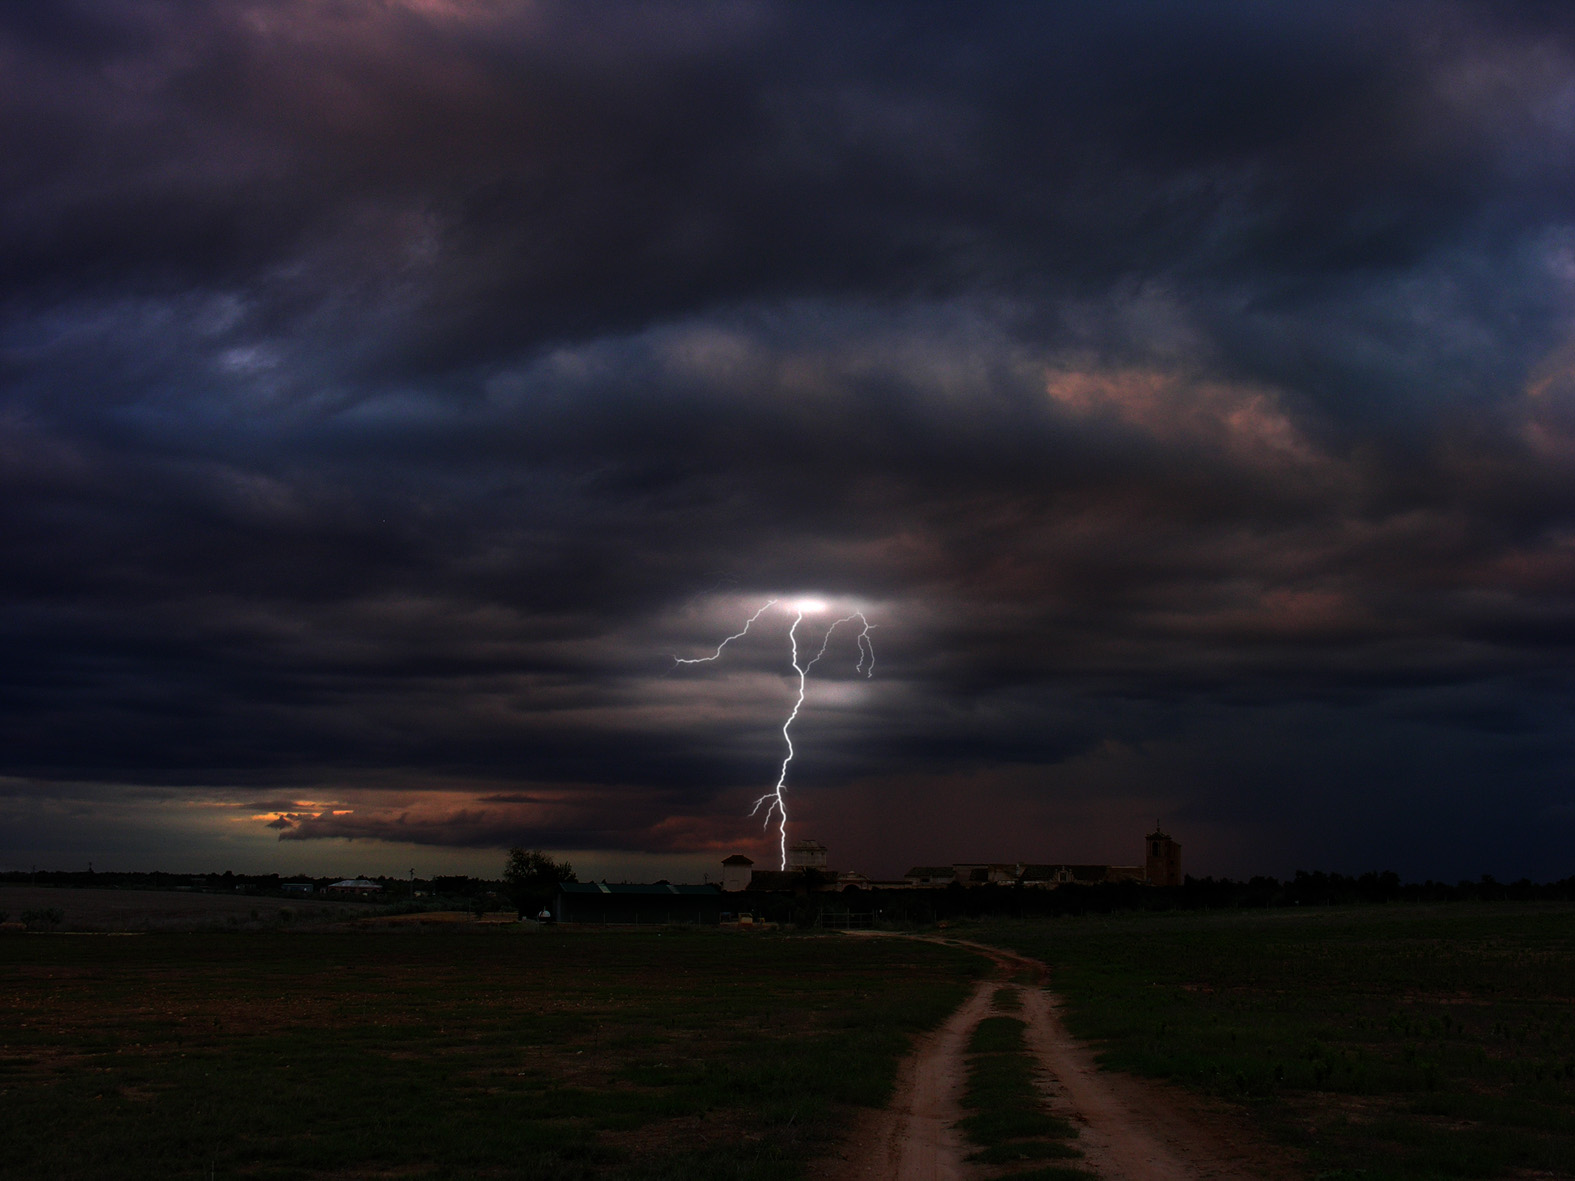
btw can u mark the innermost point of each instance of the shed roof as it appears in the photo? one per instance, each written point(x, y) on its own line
point(737, 859)
point(765, 880)
point(633, 888)
point(1044, 873)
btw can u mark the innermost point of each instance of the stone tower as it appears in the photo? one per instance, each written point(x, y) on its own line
point(1162, 861)
point(806, 855)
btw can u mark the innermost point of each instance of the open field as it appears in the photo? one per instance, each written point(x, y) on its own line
point(1390, 1043)
point(173, 910)
point(496, 1051)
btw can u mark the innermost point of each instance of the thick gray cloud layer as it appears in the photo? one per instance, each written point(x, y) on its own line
point(389, 390)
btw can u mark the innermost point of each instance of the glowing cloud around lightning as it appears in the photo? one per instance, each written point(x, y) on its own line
point(774, 801)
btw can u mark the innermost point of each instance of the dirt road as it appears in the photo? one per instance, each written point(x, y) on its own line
point(915, 1138)
point(1130, 1129)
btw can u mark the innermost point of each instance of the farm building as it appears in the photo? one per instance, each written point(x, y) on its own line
point(355, 888)
point(1045, 877)
point(737, 871)
point(602, 902)
point(806, 855)
point(807, 869)
point(1161, 867)
point(1050, 876)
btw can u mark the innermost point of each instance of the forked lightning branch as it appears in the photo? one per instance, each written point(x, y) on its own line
point(774, 801)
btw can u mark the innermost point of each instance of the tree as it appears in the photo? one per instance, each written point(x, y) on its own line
point(530, 876)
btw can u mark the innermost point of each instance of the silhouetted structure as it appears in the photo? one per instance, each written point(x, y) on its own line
point(605, 903)
point(1162, 865)
point(808, 869)
point(736, 872)
point(806, 855)
point(355, 888)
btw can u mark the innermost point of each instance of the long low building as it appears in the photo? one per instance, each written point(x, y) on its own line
point(630, 904)
point(807, 870)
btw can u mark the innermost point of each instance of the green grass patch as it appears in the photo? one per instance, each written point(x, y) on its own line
point(1007, 1000)
point(1005, 1102)
point(1397, 1043)
point(997, 1035)
point(1008, 1119)
point(553, 1054)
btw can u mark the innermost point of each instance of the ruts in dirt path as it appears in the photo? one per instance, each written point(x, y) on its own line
point(916, 1137)
point(1130, 1129)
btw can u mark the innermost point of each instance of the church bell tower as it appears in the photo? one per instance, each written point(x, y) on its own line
point(1162, 860)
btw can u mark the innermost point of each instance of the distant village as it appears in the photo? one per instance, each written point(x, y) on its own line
point(744, 892)
point(1161, 867)
point(810, 890)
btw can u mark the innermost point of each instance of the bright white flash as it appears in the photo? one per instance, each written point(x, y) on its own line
point(774, 801)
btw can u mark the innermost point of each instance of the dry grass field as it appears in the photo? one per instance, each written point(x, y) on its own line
point(1378, 1043)
point(1381, 1043)
point(170, 910)
point(452, 1052)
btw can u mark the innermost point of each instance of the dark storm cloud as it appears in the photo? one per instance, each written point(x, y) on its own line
point(391, 390)
point(553, 171)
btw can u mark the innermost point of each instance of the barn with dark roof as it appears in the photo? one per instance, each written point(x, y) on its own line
point(627, 904)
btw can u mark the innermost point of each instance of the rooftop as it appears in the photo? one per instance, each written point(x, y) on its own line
point(633, 888)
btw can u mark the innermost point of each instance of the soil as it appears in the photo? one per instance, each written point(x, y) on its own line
point(1130, 1129)
point(916, 1137)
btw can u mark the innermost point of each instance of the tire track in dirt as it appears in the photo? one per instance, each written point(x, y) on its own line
point(916, 1138)
point(1130, 1129)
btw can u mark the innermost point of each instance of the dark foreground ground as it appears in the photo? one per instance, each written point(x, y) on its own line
point(1388, 1043)
point(509, 1051)
point(168, 910)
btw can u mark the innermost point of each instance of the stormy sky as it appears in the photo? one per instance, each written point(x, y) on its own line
point(391, 389)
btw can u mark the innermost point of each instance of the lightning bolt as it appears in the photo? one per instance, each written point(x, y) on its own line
point(774, 801)
point(738, 635)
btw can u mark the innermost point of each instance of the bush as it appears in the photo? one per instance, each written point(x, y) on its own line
point(51, 916)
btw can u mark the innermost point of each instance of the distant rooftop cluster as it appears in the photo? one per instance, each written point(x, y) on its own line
point(744, 889)
point(808, 862)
